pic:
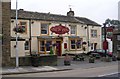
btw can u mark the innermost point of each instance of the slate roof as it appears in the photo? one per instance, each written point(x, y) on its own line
point(50, 17)
point(87, 21)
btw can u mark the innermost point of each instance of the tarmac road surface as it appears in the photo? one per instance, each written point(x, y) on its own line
point(79, 72)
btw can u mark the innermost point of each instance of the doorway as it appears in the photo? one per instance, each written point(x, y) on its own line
point(58, 48)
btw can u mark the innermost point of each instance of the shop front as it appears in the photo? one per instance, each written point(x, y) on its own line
point(60, 42)
point(45, 43)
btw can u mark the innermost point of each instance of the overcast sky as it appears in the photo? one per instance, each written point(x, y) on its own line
point(96, 10)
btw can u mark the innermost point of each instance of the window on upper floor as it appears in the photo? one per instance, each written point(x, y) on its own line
point(24, 25)
point(73, 29)
point(93, 33)
point(44, 28)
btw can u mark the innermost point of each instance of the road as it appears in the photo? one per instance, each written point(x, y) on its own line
point(78, 72)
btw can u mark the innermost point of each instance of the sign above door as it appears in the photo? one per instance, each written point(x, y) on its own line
point(59, 29)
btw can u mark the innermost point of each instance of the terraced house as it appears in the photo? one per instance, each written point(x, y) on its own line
point(64, 34)
point(44, 32)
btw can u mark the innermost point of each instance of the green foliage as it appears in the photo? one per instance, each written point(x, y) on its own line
point(112, 22)
point(20, 29)
point(51, 51)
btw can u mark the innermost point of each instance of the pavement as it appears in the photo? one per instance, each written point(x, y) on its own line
point(60, 67)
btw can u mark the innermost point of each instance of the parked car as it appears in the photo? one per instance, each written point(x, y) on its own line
point(101, 52)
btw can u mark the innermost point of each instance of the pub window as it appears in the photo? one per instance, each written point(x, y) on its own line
point(93, 33)
point(72, 44)
point(26, 45)
point(49, 43)
point(24, 25)
point(78, 44)
point(44, 28)
point(75, 44)
point(73, 29)
point(42, 46)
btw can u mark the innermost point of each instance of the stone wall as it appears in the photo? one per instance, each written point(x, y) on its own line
point(6, 9)
point(116, 42)
point(42, 61)
point(0, 34)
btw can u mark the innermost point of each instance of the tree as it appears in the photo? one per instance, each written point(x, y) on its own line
point(114, 23)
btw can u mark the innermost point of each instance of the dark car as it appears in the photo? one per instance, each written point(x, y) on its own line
point(101, 52)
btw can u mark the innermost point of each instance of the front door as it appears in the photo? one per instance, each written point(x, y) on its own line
point(58, 48)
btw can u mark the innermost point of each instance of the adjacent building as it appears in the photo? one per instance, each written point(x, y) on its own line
point(116, 36)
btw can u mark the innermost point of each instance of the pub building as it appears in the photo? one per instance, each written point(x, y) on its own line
point(61, 33)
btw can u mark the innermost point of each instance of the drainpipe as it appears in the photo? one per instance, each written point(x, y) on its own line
point(88, 37)
point(30, 35)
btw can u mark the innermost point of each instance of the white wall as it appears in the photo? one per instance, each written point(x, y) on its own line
point(97, 39)
point(35, 31)
point(34, 44)
point(35, 28)
point(21, 51)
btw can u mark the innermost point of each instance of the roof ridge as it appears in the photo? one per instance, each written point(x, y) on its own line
point(52, 17)
point(42, 13)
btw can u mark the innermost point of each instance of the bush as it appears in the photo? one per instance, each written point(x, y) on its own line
point(51, 51)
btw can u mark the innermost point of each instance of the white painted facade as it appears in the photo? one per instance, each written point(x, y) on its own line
point(84, 34)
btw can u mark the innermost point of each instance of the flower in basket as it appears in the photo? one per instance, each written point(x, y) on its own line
point(54, 44)
point(19, 29)
point(84, 43)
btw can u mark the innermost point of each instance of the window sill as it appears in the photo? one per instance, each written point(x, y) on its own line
point(75, 50)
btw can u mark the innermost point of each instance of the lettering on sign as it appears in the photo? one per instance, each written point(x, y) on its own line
point(59, 29)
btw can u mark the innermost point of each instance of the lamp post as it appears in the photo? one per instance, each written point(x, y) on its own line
point(105, 41)
point(17, 58)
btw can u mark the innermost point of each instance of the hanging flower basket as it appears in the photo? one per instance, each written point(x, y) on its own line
point(19, 29)
point(54, 44)
point(84, 43)
point(78, 43)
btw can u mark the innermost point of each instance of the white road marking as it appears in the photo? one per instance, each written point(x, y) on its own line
point(46, 68)
point(107, 74)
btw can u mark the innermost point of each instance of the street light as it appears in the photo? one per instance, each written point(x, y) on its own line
point(17, 58)
point(105, 43)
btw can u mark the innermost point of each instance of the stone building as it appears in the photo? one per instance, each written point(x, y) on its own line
point(73, 34)
point(38, 33)
point(6, 20)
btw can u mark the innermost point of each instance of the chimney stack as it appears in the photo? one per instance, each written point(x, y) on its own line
point(70, 13)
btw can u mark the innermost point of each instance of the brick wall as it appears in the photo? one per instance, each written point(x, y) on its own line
point(6, 8)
